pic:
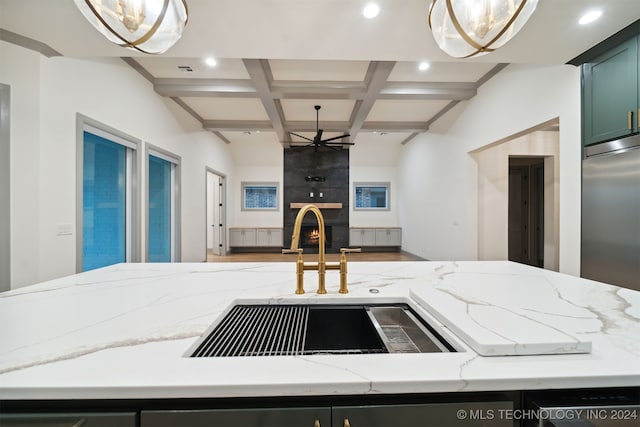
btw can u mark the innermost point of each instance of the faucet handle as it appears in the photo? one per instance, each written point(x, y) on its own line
point(350, 250)
point(292, 251)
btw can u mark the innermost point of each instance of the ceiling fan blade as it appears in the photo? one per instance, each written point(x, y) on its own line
point(336, 137)
point(337, 144)
point(318, 137)
point(303, 137)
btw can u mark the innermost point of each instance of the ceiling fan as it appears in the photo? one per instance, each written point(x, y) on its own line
point(317, 140)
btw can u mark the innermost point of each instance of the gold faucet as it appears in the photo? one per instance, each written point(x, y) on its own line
point(321, 265)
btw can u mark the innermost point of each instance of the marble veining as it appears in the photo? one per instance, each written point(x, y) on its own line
point(123, 332)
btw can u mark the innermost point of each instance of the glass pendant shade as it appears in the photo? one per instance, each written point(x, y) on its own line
point(465, 28)
point(149, 26)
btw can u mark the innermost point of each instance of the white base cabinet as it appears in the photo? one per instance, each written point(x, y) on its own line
point(374, 236)
point(269, 237)
point(255, 237)
point(242, 237)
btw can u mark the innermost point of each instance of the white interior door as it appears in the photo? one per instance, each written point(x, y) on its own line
point(216, 227)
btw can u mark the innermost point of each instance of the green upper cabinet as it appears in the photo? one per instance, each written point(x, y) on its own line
point(610, 98)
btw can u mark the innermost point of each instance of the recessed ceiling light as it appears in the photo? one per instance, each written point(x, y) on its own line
point(589, 17)
point(424, 65)
point(371, 10)
point(211, 62)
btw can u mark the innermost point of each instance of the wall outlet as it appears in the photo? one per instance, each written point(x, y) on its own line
point(64, 230)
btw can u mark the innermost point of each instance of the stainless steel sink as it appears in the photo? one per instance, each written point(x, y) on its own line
point(285, 330)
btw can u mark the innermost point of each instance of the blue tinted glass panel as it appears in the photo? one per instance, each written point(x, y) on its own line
point(371, 197)
point(260, 197)
point(104, 202)
point(159, 210)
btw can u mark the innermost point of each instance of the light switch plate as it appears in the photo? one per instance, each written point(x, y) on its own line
point(64, 230)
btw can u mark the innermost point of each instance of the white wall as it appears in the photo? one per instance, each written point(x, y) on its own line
point(47, 94)
point(437, 177)
point(257, 157)
point(20, 69)
point(374, 158)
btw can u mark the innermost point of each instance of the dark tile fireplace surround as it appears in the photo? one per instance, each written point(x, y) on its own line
point(317, 177)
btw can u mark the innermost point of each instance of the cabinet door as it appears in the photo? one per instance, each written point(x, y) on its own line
point(355, 237)
point(236, 237)
point(242, 237)
point(116, 419)
point(275, 237)
point(368, 237)
point(362, 237)
point(269, 237)
point(263, 417)
point(388, 237)
point(263, 237)
point(433, 414)
point(610, 93)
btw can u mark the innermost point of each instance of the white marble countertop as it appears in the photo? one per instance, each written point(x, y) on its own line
point(123, 332)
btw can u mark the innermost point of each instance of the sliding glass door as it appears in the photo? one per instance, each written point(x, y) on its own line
point(162, 207)
point(106, 222)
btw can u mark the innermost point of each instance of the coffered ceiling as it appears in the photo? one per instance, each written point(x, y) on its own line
point(276, 59)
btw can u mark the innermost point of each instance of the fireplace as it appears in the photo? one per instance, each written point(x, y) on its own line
point(310, 236)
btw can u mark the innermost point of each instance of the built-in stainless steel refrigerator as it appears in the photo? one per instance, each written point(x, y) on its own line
point(611, 212)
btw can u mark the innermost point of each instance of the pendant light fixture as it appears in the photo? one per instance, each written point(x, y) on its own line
point(466, 28)
point(149, 26)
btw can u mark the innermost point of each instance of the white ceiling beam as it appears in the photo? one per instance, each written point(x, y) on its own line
point(237, 125)
point(394, 126)
point(427, 90)
point(242, 88)
point(293, 89)
point(310, 126)
point(226, 88)
point(262, 78)
point(375, 79)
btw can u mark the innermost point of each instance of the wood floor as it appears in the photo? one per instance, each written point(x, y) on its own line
point(277, 257)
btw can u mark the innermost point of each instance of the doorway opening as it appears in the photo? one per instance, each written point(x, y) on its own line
point(499, 166)
point(526, 210)
point(216, 229)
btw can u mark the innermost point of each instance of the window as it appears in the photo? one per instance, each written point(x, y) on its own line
point(162, 206)
point(259, 196)
point(107, 228)
point(371, 196)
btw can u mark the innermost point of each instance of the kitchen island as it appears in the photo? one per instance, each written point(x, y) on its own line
point(125, 331)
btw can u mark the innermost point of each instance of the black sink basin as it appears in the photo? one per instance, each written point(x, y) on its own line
point(285, 330)
point(344, 329)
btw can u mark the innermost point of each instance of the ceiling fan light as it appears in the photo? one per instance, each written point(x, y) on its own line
point(149, 26)
point(465, 28)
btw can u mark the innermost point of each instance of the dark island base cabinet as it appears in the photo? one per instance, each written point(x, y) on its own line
point(264, 417)
point(433, 414)
point(81, 419)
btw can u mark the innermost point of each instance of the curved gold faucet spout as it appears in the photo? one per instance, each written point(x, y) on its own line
point(321, 266)
point(295, 241)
